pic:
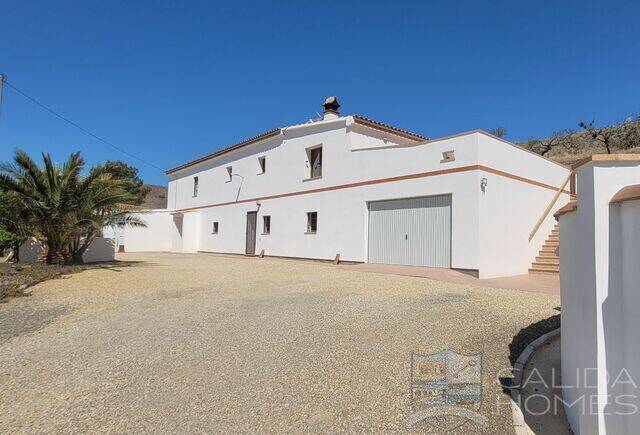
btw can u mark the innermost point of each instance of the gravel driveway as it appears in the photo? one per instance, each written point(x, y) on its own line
point(211, 343)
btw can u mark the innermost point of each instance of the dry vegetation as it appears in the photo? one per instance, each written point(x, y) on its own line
point(568, 147)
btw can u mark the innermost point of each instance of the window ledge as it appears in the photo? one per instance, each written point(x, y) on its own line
point(312, 178)
point(260, 173)
point(265, 234)
point(311, 232)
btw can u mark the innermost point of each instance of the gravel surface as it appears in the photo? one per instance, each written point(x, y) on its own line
point(212, 343)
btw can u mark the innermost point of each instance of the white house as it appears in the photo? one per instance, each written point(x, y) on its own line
point(363, 190)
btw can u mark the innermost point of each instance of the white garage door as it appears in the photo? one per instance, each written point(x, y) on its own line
point(414, 231)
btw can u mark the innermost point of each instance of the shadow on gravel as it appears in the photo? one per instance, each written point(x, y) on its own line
point(20, 320)
point(526, 336)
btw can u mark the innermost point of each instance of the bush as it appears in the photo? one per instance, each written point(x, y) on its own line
point(8, 241)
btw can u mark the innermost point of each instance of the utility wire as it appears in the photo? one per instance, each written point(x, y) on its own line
point(67, 120)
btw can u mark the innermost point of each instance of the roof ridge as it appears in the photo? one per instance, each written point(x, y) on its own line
point(376, 124)
point(359, 119)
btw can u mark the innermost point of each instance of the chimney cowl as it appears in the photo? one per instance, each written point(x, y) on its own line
point(331, 105)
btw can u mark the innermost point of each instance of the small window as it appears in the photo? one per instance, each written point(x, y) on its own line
point(195, 186)
point(262, 165)
point(448, 156)
point(266, 224)
point(229, 173)
point(214, 229)
point(312, 222)
point(315, 161)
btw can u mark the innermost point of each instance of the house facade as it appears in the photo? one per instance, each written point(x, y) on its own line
point(363, 190)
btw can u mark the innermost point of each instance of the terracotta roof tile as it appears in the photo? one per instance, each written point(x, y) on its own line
point(359, 119)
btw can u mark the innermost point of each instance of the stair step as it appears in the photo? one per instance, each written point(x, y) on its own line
point(548, 260)
point(550, 243)
point(553, 238)
point(548, 248)
point(545, 267)
point(543, 271)
point(548, 254)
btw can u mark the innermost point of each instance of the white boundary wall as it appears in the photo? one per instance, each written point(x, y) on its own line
point(600, 285)
point(101, 249)
point(155, 237)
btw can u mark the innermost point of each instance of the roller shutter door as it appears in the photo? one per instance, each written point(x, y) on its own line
point(413, 231)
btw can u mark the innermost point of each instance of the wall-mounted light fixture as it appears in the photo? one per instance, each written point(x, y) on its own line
point(483, 184)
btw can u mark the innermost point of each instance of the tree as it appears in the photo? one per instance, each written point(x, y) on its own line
point(561, 138)
point(15, 226)
point(135, 185)
point(498, 131)
point(605, 135)
point(102, 201)
point(64, 210)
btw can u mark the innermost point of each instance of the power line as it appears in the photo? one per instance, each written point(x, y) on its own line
point(84, 130)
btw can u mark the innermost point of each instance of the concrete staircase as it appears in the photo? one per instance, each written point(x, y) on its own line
point(548, 259)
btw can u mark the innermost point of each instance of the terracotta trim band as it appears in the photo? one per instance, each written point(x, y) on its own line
point(571, 206)
point(380, 181)
point(607, 158)
point(628, 193)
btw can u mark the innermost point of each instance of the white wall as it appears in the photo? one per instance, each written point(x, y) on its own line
point(509, 208)
point(101, 249)
point(157, 235)
point(342, 220)
point(599, 275)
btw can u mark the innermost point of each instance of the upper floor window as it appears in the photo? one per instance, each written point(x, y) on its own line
point(214, 229)
point(262, 165)
point(195, 186)
point(314, 156)
point(229, 173)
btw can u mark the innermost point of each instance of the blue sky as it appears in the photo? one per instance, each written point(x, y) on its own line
point(170, 81)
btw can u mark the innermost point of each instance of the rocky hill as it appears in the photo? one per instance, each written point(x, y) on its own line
point(157, 197)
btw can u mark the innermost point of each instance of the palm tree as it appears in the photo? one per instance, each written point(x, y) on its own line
point(103, 200)
point(66, 210)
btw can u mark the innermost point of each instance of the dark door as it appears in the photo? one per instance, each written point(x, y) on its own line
point(252, 219)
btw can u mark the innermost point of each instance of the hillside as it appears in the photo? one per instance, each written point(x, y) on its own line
point(157, 197)
point(568, 147)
